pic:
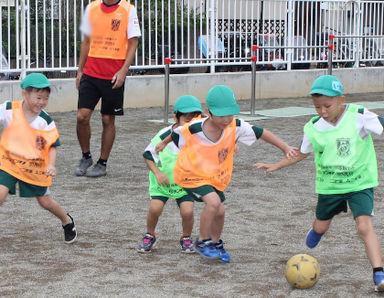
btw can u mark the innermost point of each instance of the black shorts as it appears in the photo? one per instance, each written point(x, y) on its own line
point(92, 89)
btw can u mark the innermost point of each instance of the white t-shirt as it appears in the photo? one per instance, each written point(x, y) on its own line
point(367, 123)
point(133, 29)
point(42, 122)
point(150, 152)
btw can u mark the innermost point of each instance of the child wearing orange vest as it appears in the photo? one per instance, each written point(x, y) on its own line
point(28, 149)
point(205, 162)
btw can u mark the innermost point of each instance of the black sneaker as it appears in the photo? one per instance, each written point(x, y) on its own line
point(70, 233)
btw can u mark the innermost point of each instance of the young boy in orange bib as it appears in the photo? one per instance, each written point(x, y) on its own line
point(205, 162)
point(28, 149)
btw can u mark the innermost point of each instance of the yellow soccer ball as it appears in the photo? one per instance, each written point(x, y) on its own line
point(302, 271)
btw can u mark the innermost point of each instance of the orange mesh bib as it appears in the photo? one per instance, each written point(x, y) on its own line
point(199, 164)
point(109, 31)
point(24, 149)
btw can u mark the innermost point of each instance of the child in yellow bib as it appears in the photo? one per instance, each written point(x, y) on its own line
point(28, 149)
point(205, 161)
point(346, 166)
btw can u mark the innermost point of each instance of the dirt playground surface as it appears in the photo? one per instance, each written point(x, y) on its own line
point(266, 223)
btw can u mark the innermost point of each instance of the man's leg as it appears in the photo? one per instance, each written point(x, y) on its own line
point(108, 135)
point(107, 139)
point(83, 128)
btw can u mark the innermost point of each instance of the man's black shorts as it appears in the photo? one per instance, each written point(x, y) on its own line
point(92, 89)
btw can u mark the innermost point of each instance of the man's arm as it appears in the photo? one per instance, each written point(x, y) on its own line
point(119, 77)
point(84, 50)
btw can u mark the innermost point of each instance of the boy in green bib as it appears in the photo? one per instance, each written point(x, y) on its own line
point(346, 167)
point(161, 183)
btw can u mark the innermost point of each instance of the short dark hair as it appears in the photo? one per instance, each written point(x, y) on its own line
point(29, 89)
point(316, 94)
point(179, 114)
point(319, 95)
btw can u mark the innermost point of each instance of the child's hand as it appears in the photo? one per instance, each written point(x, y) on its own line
point(265, 166)
point(237, 149)
point(291, 152)
point(160, 147)
point(50, 171)
point(162, 179)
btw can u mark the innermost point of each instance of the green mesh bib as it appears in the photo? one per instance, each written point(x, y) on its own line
point(166, 164)
point(344, 161)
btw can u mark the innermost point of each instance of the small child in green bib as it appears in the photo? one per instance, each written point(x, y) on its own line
point(346, 166)
point(161, 182)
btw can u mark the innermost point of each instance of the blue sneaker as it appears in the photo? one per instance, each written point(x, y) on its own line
point(148, 244)
point(378, 278)
point(224, 256)
point(313, 238)
point(207, 249)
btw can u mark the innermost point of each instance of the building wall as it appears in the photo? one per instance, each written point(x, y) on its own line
point(148, 91)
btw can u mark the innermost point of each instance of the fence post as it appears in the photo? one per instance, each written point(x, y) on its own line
point(167, 61)
point(358, 45)
point(253, 82)
point(212, 40)
point(330, 54)
point(290, 33)
point(23, 41)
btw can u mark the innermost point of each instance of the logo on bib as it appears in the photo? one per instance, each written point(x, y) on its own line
point(40, 143)
point(343, 147)
point(115, 25)
point(222, 154)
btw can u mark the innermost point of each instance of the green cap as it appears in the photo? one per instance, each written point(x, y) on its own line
point(36, 80)
point(327, 85)
point(187, 104)
point(221, 101)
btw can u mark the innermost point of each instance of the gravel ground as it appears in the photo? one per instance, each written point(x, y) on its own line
point(266, 223)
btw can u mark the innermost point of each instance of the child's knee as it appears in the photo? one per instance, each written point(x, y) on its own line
point(155, 212)
point(186, 213)
point(3, 193)
point(221, 212)
point(186, 209)
point(321, 226)
point(364, 225)
point(213, 202)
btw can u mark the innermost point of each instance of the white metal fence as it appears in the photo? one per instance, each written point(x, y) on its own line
point(43, 35)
